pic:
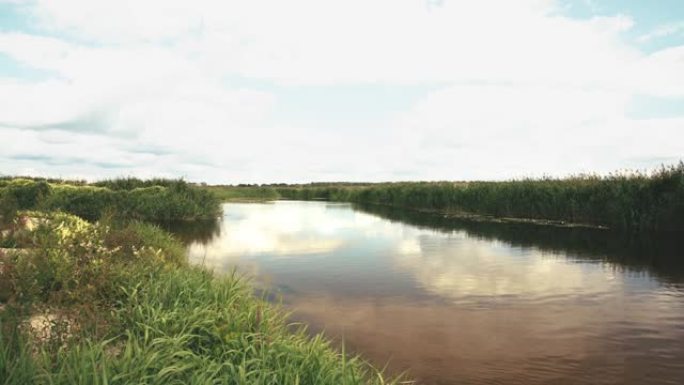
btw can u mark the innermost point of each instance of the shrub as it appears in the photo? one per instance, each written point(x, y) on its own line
point(156, 199)
point(27, 193)
point(70, 260)
point(8, 207)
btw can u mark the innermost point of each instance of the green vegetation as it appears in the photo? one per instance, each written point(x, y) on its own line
point(8, 207)
point(155, 200)
point(135, 183)
point(248, 193)
point(629, 201)
point(25, 193)
point(106, 303)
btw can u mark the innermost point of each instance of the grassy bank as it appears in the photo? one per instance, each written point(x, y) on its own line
point(246, 193)
point(153, 200)
point(99, 303)
point(630, 201)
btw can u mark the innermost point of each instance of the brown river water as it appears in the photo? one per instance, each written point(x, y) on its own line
point(454, 302)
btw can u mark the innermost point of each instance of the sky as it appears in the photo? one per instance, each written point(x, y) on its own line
point(294, 91)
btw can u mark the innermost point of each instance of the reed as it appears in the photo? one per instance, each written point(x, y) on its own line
point(628, 201)
point(121, 307)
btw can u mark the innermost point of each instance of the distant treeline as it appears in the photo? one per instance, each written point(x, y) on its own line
point(265, 192)
point(631, 201)
point(131, 198)
point(243, 193)
point(269, 192)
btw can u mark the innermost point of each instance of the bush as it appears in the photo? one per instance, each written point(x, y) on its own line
point(70, 260)
point(134, 183)
point(175, 200)
point(8, 207)
point(27, 193)
point(87, 202)
point(136, 236)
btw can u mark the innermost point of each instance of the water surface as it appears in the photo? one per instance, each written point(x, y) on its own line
point(465, 302)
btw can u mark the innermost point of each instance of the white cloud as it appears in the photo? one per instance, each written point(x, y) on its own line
point(662, 31)
point(137, 97)
point(471, 268)
point(521, 82)
point(659, 74)
point(407, 42)
point(306, 41)
point(280, 230)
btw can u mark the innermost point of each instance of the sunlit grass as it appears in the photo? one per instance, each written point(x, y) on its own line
point(120, 307)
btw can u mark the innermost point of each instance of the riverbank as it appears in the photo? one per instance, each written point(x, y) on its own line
point(237, 194)
point(243, 193)
point(466, 216)
point(636, 202)
point(129, 198)
point(626, 201)
point(108, 303)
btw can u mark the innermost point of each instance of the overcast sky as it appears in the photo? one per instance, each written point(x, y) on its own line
point(314, 90)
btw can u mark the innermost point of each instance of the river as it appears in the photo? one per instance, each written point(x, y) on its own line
point(457, 302)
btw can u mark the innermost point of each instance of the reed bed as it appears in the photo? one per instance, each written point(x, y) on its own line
point(628, 201)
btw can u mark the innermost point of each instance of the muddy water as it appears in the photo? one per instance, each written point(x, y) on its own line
point(464, 302)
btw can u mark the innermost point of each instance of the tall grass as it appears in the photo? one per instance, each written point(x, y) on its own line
point(157, 199)
point(633, 201)
point(183, 326)
point(244, 193)
point(125, 308)
point(135, 183)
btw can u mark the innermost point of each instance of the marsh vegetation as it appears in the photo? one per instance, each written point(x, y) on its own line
point(151, 200)
point(244, 193)
point(628, 201)
point(633, 201)
point(113, 300)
